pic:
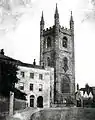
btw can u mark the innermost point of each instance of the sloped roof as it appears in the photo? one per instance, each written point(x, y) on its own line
point(87, 90)
point(30, 65)
point(18, 62)
point(4, 57)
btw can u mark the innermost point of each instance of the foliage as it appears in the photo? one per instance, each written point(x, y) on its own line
point(8, 77)
point(19, 95)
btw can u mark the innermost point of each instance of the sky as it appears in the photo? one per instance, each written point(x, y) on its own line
point(20, 31)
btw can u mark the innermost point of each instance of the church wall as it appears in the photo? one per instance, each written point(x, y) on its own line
point(60, 50)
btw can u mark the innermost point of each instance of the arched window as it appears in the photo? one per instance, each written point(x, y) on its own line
point(65, 61)
point(44, 43)
point(64, 42)
point(65, 64)
point(32, 97)
point(65, 85)
point(48, 61)
point(48, 42)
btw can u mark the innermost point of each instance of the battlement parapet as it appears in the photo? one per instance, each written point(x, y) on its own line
point(66, 30)
point(49, 29)
point(61, 29)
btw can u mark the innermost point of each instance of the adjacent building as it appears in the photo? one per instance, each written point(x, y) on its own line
point(38, 83)
point(85, 96)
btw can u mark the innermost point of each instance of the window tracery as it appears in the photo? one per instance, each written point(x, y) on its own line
point(65, 64)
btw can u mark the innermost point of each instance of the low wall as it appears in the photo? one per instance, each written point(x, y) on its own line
point(65, 114)
point(19, 104)
point(4, 106)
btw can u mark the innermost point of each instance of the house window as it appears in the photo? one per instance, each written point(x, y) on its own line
point(40, 76)
point(40, 87)
point(64, 42)
point(31, 86)
point(32, 75)
point(22, 74)
point(21, 86)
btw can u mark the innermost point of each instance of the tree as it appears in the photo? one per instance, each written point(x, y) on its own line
point(8, 77)
point(9, 71)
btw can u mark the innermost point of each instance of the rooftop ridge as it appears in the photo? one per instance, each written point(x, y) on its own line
point(30, 65)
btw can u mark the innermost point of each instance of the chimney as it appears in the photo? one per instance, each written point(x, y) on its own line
point(34, 63)
point(2, 52)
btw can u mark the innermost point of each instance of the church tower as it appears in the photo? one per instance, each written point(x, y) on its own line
point(57, 51)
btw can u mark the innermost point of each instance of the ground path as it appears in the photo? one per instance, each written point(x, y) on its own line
point(55, 114)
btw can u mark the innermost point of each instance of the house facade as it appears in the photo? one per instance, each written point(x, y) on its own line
point(37, 82)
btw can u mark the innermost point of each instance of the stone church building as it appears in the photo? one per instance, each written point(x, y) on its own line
point(57, 51)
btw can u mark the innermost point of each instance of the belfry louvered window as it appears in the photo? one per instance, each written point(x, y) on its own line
point(48, 42)
point(64, 42)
